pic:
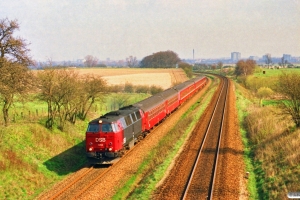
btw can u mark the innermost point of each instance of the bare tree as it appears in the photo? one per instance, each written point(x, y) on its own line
point(92, 88)
point(268, 59)
point(131, 61)
point(13, 49)
point(60, 89)
point(220, 65)
point(288, 85)
point(47, 83)
point(15, 82)
point(15, 79)
point(90, 61)
point(244, 68)
point(283, 62)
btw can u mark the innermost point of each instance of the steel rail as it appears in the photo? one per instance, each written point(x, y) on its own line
point(186, 189)
point(211, 186)
point(72, 183)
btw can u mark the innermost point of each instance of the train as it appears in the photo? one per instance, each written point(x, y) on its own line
point(109, 136)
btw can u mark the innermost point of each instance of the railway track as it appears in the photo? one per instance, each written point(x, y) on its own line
point(205, 165)
point(72, 187)
point(76, 187)
point(197, 164)
point(178, 182)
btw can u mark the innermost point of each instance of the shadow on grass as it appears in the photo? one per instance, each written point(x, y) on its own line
point(70, 160)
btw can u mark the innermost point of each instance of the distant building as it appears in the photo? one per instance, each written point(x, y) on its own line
point(235, 56)
point(80, 62)
point(287, 57)
point(255, 58)
point(266, 57)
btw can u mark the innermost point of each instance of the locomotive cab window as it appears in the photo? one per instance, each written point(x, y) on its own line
point(93, 128)
point(106, 128)
point(122, 120)
point(115, 128)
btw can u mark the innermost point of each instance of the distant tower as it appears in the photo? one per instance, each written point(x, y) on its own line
point(235, 56)
point(287, 57)
point(193, 55)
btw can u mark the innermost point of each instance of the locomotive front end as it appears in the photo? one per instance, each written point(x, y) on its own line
point(103, 141)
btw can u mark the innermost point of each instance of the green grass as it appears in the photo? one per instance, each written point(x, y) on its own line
point(242, 103)
point(271, 143)
point(34, 110)
point(153, 168)
point(34, 158)
point(271, 102)
point(275, 72)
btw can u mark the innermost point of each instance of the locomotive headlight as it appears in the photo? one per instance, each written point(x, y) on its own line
point(110, 149)
point(91, 149)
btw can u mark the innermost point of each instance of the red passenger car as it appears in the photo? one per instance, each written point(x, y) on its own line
point(154, 111)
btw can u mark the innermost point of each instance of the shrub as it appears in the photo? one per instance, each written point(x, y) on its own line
point(129, 88)
point(142, 89)
point(155, 89)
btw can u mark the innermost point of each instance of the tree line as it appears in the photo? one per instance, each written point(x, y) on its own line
point(287, 84)
point(68, 95)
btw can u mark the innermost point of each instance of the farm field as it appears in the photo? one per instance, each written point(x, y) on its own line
point(164, 78)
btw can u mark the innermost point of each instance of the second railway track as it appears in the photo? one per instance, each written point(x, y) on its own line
point(200, 184)
point(192, 175)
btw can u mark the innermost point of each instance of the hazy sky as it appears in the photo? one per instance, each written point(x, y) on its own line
point(116, 29)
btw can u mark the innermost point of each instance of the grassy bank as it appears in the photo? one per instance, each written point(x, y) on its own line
point(242, 103)
point(271, 146)
point(155, 165)
point(34, 158)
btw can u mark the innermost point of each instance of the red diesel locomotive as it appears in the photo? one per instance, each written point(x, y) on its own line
point(110, 135)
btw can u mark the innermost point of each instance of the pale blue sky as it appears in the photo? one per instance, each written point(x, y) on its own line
point(116, 29)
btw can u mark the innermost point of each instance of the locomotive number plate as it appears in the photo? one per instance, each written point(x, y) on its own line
point(100, 139)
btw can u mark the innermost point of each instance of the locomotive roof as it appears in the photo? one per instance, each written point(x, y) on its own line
point(150, 102)
point(115, 115)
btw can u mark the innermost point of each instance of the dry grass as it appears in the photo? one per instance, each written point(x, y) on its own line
point(276, 151)
point(164, 78)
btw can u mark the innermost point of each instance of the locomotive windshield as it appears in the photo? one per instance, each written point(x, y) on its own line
point(93, 128)
point(106, 128)
point(109, 128)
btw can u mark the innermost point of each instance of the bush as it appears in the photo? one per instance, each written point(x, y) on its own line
point(129, 88)
point(142, 89)
point(115, 88)
point(155, 89)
